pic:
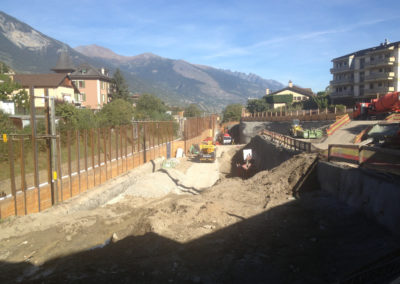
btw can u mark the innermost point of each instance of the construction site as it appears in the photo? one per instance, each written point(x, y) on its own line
point(322, 210)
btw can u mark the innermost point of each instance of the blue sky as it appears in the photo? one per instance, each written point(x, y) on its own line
point(282, 40)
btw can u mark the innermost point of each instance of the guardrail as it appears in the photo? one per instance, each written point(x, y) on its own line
point(304, 115)
point(289, 142)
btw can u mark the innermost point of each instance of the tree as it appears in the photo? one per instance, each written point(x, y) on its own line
point(7, 87)
point(68, 114)
point(192, 110)
point(117, 112)
point(21, 100)
point(258, 105)
point(150, 107)
point(120, 87)
point(4, 68)
point(232, 112)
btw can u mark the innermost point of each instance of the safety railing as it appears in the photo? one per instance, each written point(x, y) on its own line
point(287, 115)
point(287, 141)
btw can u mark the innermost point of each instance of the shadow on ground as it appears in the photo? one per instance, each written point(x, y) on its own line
point(313, 239)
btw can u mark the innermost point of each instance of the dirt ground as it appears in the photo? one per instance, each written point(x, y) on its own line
point(235, 231)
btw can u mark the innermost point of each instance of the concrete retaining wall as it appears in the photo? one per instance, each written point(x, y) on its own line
point(376, 195)
point(247, 130)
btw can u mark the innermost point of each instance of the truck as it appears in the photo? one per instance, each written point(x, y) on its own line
point(207, 151)
point(226, 139)
point(386, 104)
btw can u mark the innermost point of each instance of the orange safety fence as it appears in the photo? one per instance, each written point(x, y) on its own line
point(393, 117)
point(340, 121)
point(366, 156)
point(358, 138)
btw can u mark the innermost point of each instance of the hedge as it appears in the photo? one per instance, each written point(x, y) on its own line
point(274, 99)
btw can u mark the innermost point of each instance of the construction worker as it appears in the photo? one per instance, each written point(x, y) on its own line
point(248, 163)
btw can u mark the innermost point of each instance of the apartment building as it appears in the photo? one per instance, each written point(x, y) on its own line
point(365, 74)
point(94, 84)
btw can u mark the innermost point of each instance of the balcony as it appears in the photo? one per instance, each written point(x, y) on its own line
point(380, 76)
point(379, 90)
point(381, 61)
point(341, 69)
point(343, 81)
point(347, 93)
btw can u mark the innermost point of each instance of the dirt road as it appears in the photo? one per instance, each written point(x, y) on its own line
point(236, 231)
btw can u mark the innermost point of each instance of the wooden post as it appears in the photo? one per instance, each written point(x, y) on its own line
point(34, 142)
point(138, 141)
point(92, 152)
point(116, 130)
point(111, 150)
point(59, 166)
point(48, 145)
point(23, 177)
point(86, 162)
point(12, 174)
point(144, 142)
point(78, 153)
point(98, 152)
point(69, 161)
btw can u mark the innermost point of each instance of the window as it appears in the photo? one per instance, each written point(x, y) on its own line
point(371, 86)
point(380, 84)
point(83, 97)
point(79, 84)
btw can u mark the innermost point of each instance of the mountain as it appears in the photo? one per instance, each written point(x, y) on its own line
point(177, 82)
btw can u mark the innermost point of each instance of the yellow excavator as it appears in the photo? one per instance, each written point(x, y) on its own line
point(207, 151)
point(296, 130)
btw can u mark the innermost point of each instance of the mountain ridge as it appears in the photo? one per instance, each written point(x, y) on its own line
point(177, 82)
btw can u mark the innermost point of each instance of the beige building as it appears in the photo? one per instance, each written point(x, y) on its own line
point(365, 74)
point(299, 94)
point(59, 86)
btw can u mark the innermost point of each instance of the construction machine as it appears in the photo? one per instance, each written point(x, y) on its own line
point(207, 151)
point(296, 130)
point(386, 104)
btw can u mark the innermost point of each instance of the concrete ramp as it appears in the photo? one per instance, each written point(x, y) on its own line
point(346, 134)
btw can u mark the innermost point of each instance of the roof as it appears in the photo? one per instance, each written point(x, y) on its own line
point(302, 91)
point(64, 64)
point(87, 71)
point(362, 52)
point(52, 80)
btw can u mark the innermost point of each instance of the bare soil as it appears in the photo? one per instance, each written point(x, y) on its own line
point(235, 231)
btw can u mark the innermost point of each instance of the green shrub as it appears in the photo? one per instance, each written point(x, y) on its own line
point(275, 99)
point(117, 112)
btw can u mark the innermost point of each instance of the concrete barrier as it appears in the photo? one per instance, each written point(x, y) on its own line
point(376, 195)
